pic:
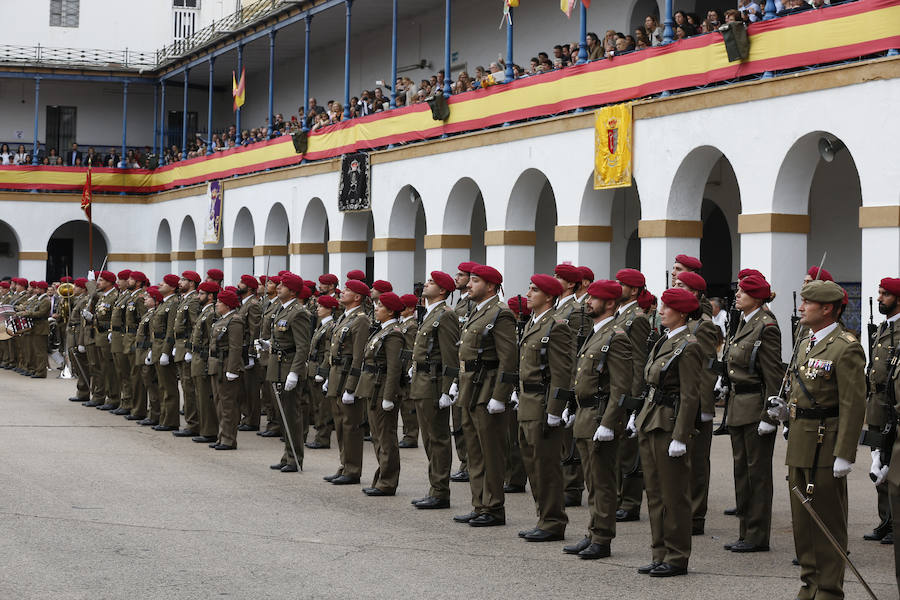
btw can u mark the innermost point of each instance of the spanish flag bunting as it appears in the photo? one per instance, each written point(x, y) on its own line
point(238, 90)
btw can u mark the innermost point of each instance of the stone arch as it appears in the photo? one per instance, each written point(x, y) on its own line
point(625, 251)
point(531, 208)
point(67, 250)
point(187, 245)
point(463, 227)
point(403, 252)
point(239, 257)
point(276, 240)
point(357, 233)
point(314, 236)
point(9, 251)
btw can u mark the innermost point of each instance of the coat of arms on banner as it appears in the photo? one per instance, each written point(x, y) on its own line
point(613, 147)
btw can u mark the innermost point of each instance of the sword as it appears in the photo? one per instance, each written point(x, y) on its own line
point(287, 429)
point(805, 501)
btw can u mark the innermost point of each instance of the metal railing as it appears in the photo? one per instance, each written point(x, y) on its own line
point(81, 57)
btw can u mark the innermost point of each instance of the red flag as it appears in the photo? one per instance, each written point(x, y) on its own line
point(86, 195)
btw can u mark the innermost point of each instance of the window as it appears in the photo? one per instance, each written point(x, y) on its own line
point(61, 127)
point(186, 3)
point(64, 13)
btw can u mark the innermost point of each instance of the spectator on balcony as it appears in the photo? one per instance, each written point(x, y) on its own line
point(793, 6)
point(379, 100)
point(21, 155)
point(112, 156)
point(558, 55)
point(640, 34)
point(594, 48)
point(680, 17)
point(72, 155)
point(694, 21)
point(713, 19)
point(6, 155)
point(92, 159)
point(278, 123)
point(53, 158)
point(654, 30)
point(78, 162)
point(314, 109)
point(684, 31)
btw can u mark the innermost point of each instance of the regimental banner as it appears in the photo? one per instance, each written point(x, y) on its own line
point(355, 185)
point(214, 215)
point(613, 148)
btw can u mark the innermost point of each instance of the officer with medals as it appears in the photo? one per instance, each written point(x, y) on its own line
point(462, 308)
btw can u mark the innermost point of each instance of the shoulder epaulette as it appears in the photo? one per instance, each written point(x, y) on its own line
point(849, 337)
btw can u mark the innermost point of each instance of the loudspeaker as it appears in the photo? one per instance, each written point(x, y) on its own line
point(301, 141)
point(440, 110)
point(737, 44)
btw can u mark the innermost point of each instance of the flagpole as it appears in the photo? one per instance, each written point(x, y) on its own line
point(90, 242)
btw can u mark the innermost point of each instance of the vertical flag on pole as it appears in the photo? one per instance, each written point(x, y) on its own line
point(567, 6)
point(613, 146)
point(86, 195)
point(238, 89)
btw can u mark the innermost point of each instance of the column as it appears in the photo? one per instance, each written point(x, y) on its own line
point(236, 262)
point(37, 96)
point(306, 74)
point(209, 107)
point(124, 163)
point(237, 118)
point(512, 253)
point(447, 49)
point(206, 259)
point(347, 62)
point(394, 55)
point(346, 255)
point(880, 249)
point(308, 258)
point(184, 116)
point(585, 245)
point(661, 241)
point(162, 122)
point(33, 265)
point(510, 74)
point(582, 37)
point(155, 119)
point(395, 261)
point(271, 118)
point(668, 32)
point(444, 252)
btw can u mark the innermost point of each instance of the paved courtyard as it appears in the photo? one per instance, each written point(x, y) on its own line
point(95, 507)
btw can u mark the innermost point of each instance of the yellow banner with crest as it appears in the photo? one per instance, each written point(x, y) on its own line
point(613, 141)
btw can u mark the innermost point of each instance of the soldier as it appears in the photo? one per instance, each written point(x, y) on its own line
point(587, 278)
point(116, 337)
point(891, 473)
point(546, 353)
point(879, 407)
point(197, 356)
point(269, 305)
point(39, 312)
point(356, 275)
point(348, 343)
point(753, 364)
point(143, 356)
point(74, 346)
point(317, 370)
point(216, 276)
point(99, 314)
point(487, 374)
point(328, 283)
point(827, 393)
point(135, 308)
point(462, 309)
point(632, 320)
point(185, 315)
point(163, 328)
point(515, 477)
point(379, 389)
point(226, 344)
point(6, 295)
point(435, 350)
point(409, 327)
point(707, 334)
point(251, 314)
point(602, 379)
point(288, 350)
point(665, 426)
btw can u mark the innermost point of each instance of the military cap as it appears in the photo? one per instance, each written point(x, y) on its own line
point(31, 283)
point(466, 266)
point(756, 286)
point(680, 299)
point(275, 279)
point(391, 301)
point(645, 300)
point(409, 300)
point(283, 273)
point(489, 274)
point(745, 272)
point(262, 279)
point(823, 274)
point(356, 274)
point(139, 277)
point(380, 285)
point(292, 282)
point(443, 280)
point(569, 272)
point(65, 279)
point(518, 305)
point(4, 285)
point(328, 279)
point(891, 285)
point(304, 293)
point(215, 274)
point(822, 291)
point(108, 275)
point(586, 273)
point(124, 274)
point(250, 281)
point(327, 301)
point(80, 282)
point(191, 276)
point(41, 285)
point(154, 293)
point(231, 288)
point(171, 280)
point(229, 299)
point(690, 262)
point(310, 284)
point(549, 285)
point(210, 287)
point(605, 289)
point(21, 281)
point(631, 277)
point(692, 280)
point(356, 286)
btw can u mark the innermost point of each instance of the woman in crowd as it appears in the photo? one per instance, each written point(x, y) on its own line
point(21, 156)
point(6, 156)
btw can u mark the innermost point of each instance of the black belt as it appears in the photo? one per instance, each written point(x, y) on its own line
point(594, 401)
point(426, 367)
point(533, 388)
point(374, 369)
point(290, 350)
point(118, 328)
point(669, 400)
point(102, 328)
point(880, 388)
point(337, 362)
point(159, 336)
point(181, 336)
point(218, 354)
point(131, 330)
point(189, 346)
point(747, 388)
point(145, 345)
point(814, 413)
point(487, 365)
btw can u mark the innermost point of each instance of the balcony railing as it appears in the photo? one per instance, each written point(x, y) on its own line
point(93, 58)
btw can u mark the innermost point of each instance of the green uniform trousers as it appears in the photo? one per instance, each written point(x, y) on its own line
point(485, 436)
point(630, 477)
point(383, 425)
point(206, 406)
point(752, 455)
point(700, 473)
point(169, 400)
point(348, 424)
point(540, 453)
point(227, 394)
point(434, 426)
point(515, 468)
point(599, 463)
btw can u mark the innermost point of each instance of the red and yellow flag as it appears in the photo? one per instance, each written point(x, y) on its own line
point(86, 195)
point(238, 89)
point(567, 6)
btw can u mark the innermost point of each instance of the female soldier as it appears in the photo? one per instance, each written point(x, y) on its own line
point(665, 426)
point(753, 363)
point(143, 342)
point(379, 384)
point(226, 341)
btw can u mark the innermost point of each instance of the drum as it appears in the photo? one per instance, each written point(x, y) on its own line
point(22, 325)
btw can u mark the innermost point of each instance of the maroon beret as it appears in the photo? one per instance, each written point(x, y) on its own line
point(745, 272)
point(65, 279)
point(310, 284)
point(645, 299)
point(81, 282)
point(489, 274)
point(466, 266)
point(328, 279)
point(443, 280)
point(692, 280)
point(139, 277)
point(215, 274)
point(191, 276)
point(210, 287)
point(605, 289)
point(124, 274)
point(262, 279)
point(5, 285)
point(680, 299)
point(823, 274)
point(42, 285)
point(891, 285)
point(846, 299)
point(357, 286)
point(569, 272)
point(547, 284)
point(154, 293)
point(21, 281)
point(32, 283)
point(229, 299)
point(171, 280)
point(586, 273)
point(631, 277)
point(231, 288)
point(250, 281)
point(275, 279)
point(304, 293)
point(690, 262)
point(108, 275)
point(382, 286)
point(283, 273)
point(293, 283)
point(409, 300)
point(391, 301)
point(327, 301)
point(518, 305)
point(357, 275)
point(755, 286)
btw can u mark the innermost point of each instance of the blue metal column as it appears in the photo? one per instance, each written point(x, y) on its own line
point(393, 81)
point(306, 76)
point(347, 64)
point(184, 118)
point(668, 32)
point(37, 96)
point(209, 110)
point(509, 47)
point(582, 39)
point(155, 118)
point(237, 118)
point(124, 163)
point(271, 117)
point(447, 48)
point(770, 10)
point(162, 122)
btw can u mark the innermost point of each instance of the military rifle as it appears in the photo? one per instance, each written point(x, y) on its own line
point(795, 318)
point(722, 367)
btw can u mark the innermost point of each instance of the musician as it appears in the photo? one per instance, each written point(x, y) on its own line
point(74, 346)
point(39, 313)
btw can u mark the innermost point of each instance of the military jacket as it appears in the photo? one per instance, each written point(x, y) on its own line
point(185, 314)
point(832, 373)
point(680, 380)
point(117, 321)
point(73, 326)
point(598, 393)
point(200, 340)
point(434, 349)
point(143, 337)
point(492, 330)
point(291, 332)
point(251, 315)
point(757, 341)
point(162, 326)
point(103, 309)
point(574, 313)
point(348, 346)
point(462, 309)
point(381, 370)
point(268, 308)
point(39, 311)
point(707, 334)
point(537, 398)
point(135, 308)
point(319, 358)
point(894, 471)
point(884, 342)
point(636, 326)
point(409, 328)
point(226, 344)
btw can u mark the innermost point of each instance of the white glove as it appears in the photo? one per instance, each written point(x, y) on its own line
point(706, 417)
point(445, 401)
point(88, 315)
point(778, 412)
point(149, 360)
point(454, 390)
point(387, 405)
point(264, 344)
point(514, 400)
point(631, 428)
point(109, 336)
point(842, 467)
point(553, 420)
point(604, 434)
point(568, 417)
point(188, 357)
point(495, 407)
point(765, 428)
point(719, 388)
point(348, 398)
point(324, 386)
point(228, 376)
point(882, 474)
point(784, 430)
point(81, 349)
point(250, 363)
point(876, 462)
point(410, 372)
point(91, 276)
point(319, 379)
point(164, 360)
point(291, 381)
point(676, 449)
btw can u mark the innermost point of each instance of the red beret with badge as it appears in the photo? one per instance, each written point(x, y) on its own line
point(382, 286)
point(891, 285)
point(108, 276)
point(756, 286)
point(80, 282)
point(356, 275)
point(586, 273)
point(489, 274)
point(327, 301)
point(124, 274)
point(605, 289)
point(229, 299)
point(328, 279)
point(358, 287)
point(139, 277)
point(154, 293)
point(823, 274)
point(410, 300)
point(293, 283)
point(692, 280)
point(171, 280)
point(250, 281)
point(210, 287)
point(569, 272)
point(191, 276)
point(466, 266)
point(680, 299)
point(631, 277)
point(215, 274)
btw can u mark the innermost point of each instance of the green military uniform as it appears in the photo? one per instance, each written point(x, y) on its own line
point(409, 327)
point(462, 309)
point(23, 339)
point(348, 343)
point(487, 366)
point(603, 376)
point(143, 360)
point(106, 368)
point(378, 382)
point(291, 331)
point(753, 362)
point(632, 320)
point(208, 421)
point(226, 344)
point(546, 354)
point(185, 315)
point(707, 334)
point(135, 309)
point(827, 408)
point(78, 360)
point(250, 401)
point(317, 371)
point(435, 349)
point(163, 329)
point(268, 306)
point(893, 475)
point(670, 412)
point(39, 313)
point(121, 361)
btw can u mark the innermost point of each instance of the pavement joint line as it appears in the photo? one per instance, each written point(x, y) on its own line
point(66, 426)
